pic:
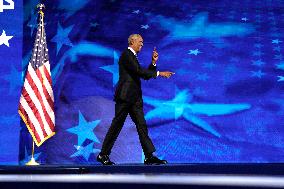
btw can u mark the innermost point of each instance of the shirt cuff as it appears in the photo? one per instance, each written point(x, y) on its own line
point(158, 73)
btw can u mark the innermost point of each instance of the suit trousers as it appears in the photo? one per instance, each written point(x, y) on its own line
point(135, 110)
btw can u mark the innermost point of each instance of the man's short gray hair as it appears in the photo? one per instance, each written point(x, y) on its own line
point(131, 37)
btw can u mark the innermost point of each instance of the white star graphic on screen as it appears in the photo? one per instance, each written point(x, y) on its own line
point(4, 39)
point(276, 41)
point(244, 19)
point(195, 52)
point(136, 11)
point(280, 78)
point(145, 26)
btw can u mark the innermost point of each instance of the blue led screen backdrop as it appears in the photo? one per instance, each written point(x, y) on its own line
point(225, 102)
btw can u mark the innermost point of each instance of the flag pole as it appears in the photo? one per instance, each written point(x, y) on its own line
point(33, 162)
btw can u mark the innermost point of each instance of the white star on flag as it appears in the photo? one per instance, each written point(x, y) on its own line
point(4, 39)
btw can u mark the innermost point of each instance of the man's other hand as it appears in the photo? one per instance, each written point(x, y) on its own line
point(166, 74)
point(155, 56)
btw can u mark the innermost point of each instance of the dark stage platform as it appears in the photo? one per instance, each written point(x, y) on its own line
point(203, 168)
point(140, 176)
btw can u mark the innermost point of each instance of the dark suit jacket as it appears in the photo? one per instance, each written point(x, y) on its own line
point(128, 88)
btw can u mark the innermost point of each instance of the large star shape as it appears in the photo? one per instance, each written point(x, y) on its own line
point(113, 69)
point(84, 130)
point(180, 107)
point(4, 39)
point(14, 78)
point(85, 151)
point(61, 38)
point(200, 27)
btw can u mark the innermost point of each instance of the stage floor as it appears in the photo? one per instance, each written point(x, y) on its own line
point(141, 176)
point(166, 180)
point(176, 176)
point(202, 168)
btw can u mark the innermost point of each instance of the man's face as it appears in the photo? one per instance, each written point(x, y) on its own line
point(137, 44)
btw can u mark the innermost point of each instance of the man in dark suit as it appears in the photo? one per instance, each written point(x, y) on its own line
point(128, 98)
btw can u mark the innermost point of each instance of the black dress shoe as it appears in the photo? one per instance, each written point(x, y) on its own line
point(153, 160)
point(104, 159)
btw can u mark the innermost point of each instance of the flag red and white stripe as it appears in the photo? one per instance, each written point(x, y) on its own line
point(37, 101)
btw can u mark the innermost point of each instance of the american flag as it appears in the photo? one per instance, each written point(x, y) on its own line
point(37, 101)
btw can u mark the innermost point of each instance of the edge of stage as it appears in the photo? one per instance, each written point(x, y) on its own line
point(196, 168)
point(201, 175)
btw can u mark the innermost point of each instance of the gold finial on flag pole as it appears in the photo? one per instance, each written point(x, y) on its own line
point(41, 7)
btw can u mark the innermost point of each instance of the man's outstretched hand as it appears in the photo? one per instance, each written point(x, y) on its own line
point(166, 74)
point(155, 57)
